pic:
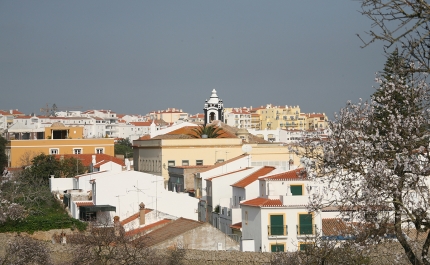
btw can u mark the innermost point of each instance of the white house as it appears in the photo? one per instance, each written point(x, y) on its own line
point(120, 193)
point(247, 188)
point(219, 197)
point(222, 167)
point(278, 220)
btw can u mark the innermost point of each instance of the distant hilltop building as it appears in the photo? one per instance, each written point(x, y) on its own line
point(214, 109)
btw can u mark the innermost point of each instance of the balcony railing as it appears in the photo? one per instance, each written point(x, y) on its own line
point(306, 230)
point(277, 230)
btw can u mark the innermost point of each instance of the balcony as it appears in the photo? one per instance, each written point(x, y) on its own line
point(305, 230)
point(277, 231)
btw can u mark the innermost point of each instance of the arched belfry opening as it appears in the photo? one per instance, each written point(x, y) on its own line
point(214, 109)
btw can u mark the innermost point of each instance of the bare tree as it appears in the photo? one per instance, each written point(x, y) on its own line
point(26, 251)
point(403, 24)
point(107, 244)
point(376, 162)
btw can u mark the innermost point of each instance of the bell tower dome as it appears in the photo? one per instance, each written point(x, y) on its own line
point(214, 109)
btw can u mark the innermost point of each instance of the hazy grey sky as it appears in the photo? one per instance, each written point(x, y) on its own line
point(139, 56)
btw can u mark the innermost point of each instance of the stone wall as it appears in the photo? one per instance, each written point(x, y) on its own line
point(62, 253)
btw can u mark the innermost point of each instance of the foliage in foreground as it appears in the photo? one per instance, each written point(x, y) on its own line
point(27, 205)
point(376, 161)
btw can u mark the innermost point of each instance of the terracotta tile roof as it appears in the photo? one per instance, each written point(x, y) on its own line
point(149, 227)
point(334, 227)
point(16, 112)
point(141, 123)
point(298, 173)
point(2, 112)
point(188, 131)
point(228, 173)
point(253, 177)
point(237, 226)
point(133, 217)
point(145, 137)
point(262, 202)
point(87, 158)
point(171, 230)
point(84, 203)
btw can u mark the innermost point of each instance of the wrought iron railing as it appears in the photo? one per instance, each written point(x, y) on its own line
point(277, 230)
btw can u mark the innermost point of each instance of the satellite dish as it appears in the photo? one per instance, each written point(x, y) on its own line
point(246, 148)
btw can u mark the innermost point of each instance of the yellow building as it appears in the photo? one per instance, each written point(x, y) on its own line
point(288, 117)
point(155, 155)
point(59, 139)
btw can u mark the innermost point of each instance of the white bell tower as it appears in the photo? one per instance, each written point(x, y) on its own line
point(214, 109)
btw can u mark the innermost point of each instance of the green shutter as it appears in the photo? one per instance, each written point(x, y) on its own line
point(277, 225)
point(305, 224)
point(277, 248)
point(296, 190)
point(304, 246)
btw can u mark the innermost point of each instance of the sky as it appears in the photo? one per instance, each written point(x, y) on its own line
point(134, 57)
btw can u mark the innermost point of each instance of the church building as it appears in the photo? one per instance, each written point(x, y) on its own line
point(214, 109)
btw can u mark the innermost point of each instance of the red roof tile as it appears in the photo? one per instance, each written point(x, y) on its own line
point(298, 173)
point(147, 227)
point(172, 230)
point(84, 203)
point(141, 123)
point(253, 177)
point(262, 202)
point(133, 217)
point(236, 226)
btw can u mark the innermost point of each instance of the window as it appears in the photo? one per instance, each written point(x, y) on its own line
point(171, 163)
point(54, 151)
point(220, 161)
point(100, 150)
point(296, 190)
point(77, 151)
point(305, 224)
point(277, 248)
point(185, 163)
point(304, 246)
point(246, 217)
point(276, 227)
point(199, 162)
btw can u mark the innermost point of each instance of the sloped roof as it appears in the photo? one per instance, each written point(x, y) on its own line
point(225, 162)
point(295, 174)
point(133, 217)
point(171, 230)
point(334, 227)
point(236, 226)
point(262, 202)
point(253, 177)
point(141, 123)
point(148, 227)
point(84, 203)
point(228, 173)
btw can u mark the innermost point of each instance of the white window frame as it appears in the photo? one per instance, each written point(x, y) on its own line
point(185, 162)
point(54, 151)
point(99, 148)
point(81, 151)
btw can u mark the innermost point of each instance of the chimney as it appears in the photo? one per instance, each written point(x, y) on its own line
point(141, 213)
